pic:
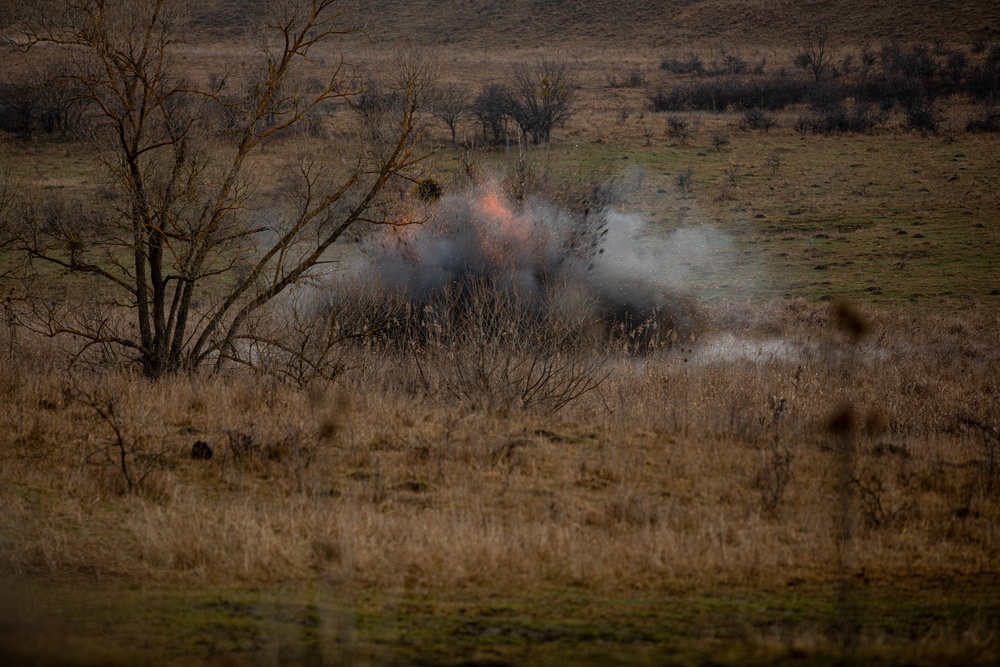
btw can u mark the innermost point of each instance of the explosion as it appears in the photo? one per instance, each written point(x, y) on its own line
point(592, 268)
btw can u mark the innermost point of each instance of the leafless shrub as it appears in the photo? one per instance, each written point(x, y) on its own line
point(861, 118)
point(317, 332)
point(719, 139)
point(494, 353)
point(774, 163)
point(987, 120)
point(757, 119)
point(636, 79)
point(647, 134)
point(685, 180)
point(40, 99)
point(633, 79)
point(127, 449)
point(8, 201)
point(923, 118)
point(678, 127)
point(987, 437)
point(732, 64)
point(983, 80)
point(773, 477)
point(882, 503)
point(732, 172)
point(731, 92)
point(690, 63)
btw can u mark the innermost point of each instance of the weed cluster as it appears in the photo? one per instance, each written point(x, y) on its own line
point(731, 93)
point(726, 64)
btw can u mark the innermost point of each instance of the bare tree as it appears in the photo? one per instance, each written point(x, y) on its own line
point(195, 239)
point(7, 187)
point(815, 56)
point(541, 97)
point(18, 100)
point(492, 109)
point(36, 99)
point(450, 104)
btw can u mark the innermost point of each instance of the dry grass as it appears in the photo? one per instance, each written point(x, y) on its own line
point(591, 23)
point(663, 477)
point(529, 23)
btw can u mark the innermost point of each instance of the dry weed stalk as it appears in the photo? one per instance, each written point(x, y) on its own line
point(773, 478)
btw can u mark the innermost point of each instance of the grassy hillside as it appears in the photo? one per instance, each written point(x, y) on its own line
point(645, 23)
point(631, 23)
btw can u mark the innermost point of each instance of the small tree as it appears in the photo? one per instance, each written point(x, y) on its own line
point(7, 232)
point(450, 104)
point(541, 97)
point(492, 109)
point(18, 101)
point(58, 110)
point(815, 56)
point(190, 245)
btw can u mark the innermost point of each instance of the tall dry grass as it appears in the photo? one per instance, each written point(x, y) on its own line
point(712, 463)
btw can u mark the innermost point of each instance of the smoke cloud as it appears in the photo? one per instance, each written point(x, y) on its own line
point(607, 266)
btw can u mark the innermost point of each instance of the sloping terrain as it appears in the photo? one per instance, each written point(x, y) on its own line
point(629, 23)
point(643, 23)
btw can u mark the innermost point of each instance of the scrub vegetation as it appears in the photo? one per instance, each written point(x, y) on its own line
point(332, 349)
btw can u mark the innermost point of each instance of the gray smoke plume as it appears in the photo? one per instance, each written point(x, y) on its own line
point(605, 267)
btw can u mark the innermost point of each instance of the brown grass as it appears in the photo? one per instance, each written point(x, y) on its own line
point(663, 477)
point(528, 23)
point(588, 23)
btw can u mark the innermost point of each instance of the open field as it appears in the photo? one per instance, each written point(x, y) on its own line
point(638, 23)
point(811, 475)
point(401, 525)
point(307, 626)
point(816, 217)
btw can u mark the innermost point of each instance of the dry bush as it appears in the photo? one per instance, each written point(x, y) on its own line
point(731, 92)
point(757, 119)
point(496, 349)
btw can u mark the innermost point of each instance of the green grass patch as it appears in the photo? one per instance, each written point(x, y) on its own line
point(930, 623)
point(886, 219)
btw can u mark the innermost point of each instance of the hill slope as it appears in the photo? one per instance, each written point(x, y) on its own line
point(645, 23)
point(624, 23)
point(631, 24)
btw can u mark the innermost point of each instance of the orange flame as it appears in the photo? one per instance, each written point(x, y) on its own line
point(506, 238)
point(504, 235)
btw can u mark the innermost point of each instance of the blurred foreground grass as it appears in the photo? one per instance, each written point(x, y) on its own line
point(903, 622)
